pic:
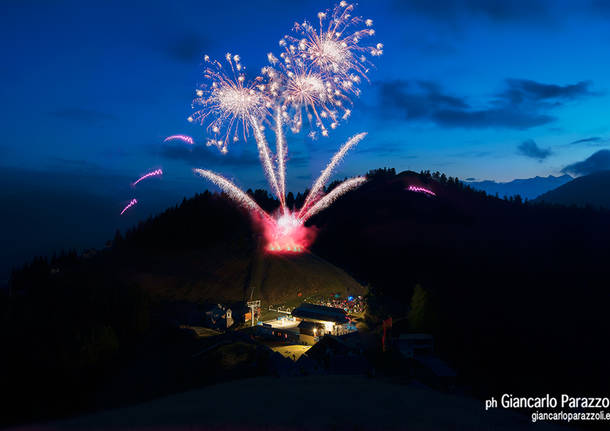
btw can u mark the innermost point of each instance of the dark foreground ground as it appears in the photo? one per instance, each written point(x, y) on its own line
point(299, 403)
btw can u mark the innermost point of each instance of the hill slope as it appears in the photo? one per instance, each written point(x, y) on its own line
point(205, 250)
point(224, 276)
point(515, 293)
point(91, 315)
point(381, 404)
point(511, 286)
point(593, 189)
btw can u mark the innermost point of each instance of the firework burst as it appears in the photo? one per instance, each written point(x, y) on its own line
point(311, 80)
point(302, 94)
point(337, 54)
point(320, 67)
point(228, 104)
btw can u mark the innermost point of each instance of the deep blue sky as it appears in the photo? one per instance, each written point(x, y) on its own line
point(461, 86)
point(477, 89)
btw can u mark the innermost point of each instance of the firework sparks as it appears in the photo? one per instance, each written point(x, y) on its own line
point(230, 105)
point(154, 173)
point(311, 81)
point(287, 234)
point(336, 48)
point(301, 91)
point(328, 199)
point(318, 68)
point(129, 205)
point(183, 138)
point(281, 157)
point(265, 155)
point(316, 189)
point(233, 192)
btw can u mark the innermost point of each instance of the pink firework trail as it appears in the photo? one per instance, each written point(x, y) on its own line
point(129, 205)
point(418, 189)
point(310, 81)
point(183, 138)
point(154, 173)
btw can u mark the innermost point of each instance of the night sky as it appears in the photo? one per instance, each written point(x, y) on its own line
point(477, 89)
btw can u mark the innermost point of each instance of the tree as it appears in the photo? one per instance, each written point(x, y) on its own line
point(290, 200)
point(421, 316)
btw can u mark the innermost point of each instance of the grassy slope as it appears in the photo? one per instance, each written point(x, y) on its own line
point(195, 277)
point(315, 402)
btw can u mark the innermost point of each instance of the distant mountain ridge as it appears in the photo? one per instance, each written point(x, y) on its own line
point(528, 188)
point(593, 189)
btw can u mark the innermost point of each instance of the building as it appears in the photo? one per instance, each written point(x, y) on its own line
point(315, 321)
point(278, 333)
point(218, 317)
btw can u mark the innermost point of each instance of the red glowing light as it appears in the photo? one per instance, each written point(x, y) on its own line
point(417, 189)
point(287, 234)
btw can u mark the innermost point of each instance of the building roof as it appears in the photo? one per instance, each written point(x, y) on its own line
point(320, 312)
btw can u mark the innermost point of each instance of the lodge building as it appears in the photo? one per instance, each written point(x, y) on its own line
point(310, 322)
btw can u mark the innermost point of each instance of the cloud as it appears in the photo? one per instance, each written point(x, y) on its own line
point(498, 118)
point(586, 140)
point(297, 161)
point(471, 154)
point(186, 48)
point(499, 11)
point(520, 91)
point(522, 104)
point(70, 164)
point(417, 100)
point(206, 156)
point(599, 161)
point(600, 7)
point(81, 115)
point(385, 148)
point(529, 148)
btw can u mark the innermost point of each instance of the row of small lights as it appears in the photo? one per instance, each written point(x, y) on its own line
point(296, 249)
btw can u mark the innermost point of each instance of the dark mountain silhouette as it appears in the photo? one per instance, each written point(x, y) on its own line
point(515, 292)
point(528, 188)
point(592, 190)
point(85, 313)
